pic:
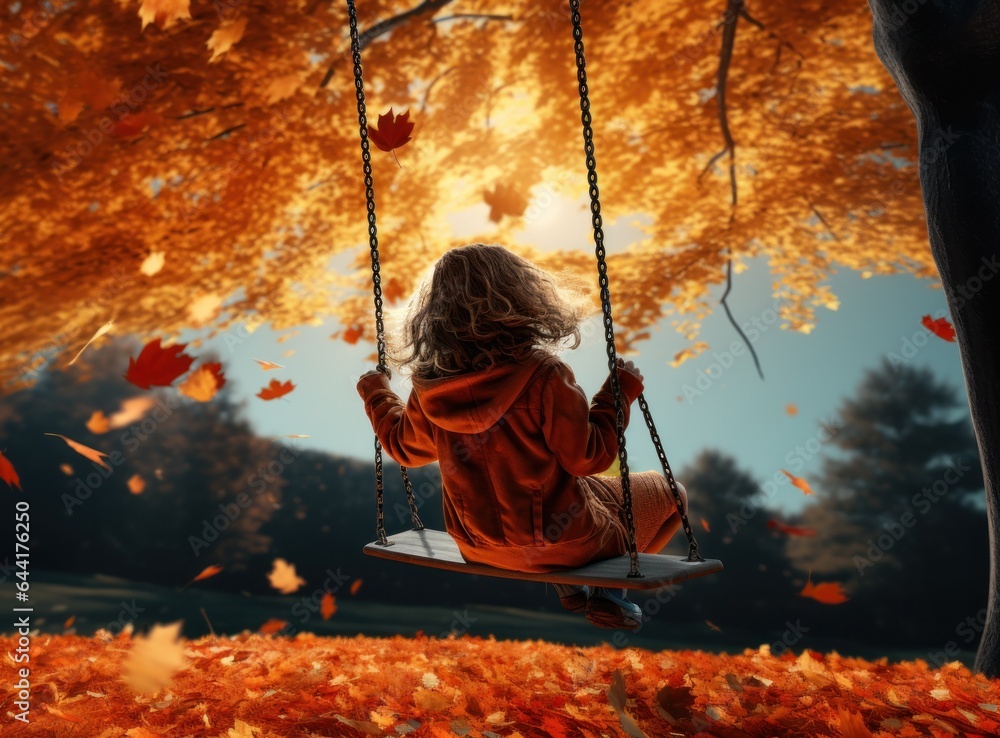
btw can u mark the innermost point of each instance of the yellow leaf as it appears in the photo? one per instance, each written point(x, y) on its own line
point(98, 423)
point(100, 332)
point(201, 385)
point(283, 577)
point(223, 37)
point(152, 263)
point(164, 12)
point(153, 660)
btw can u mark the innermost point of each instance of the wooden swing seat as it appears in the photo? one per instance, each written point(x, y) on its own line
point(438, 550)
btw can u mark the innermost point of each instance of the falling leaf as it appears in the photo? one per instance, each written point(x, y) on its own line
point(276, 389)
point(504, 200)
point(66, 469)
point(283, 577)
point(688, 353)
point(268, 365)
point(940, 327)
point(100, 332)
point(204, 308)
point(852, 725)
point(829, 593)
point(704, 524)
point(713, 626)
point(289, 353)
point(352, 334)
point(272, 626)
point(204, 382)
point(208, 571)
point(69, 622)
point(790, 530)
point(355, 586)
point(282, 88)
point(163, 12)
point(799, 482)
point(328, 606)
point(289, 435)
point(85, 451)
point(8, 474)
point(223, 37)
point(392, 132)
point(131, 410)
point(154, 659)
point(98, 423)
point(157, 366)
point(153, 263)
point(618, 698)
point(136, 484)
point(791, 409)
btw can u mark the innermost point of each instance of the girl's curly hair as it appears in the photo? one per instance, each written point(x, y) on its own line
point(482, 306)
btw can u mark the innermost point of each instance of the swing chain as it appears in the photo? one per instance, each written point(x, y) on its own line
point(602, 272)
point(366, 158)
point(693, 553)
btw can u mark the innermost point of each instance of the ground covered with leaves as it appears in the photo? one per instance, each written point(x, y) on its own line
point(256, 686)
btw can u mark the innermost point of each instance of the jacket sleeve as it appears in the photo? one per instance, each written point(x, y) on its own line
point(582, 435)
point(404, 431)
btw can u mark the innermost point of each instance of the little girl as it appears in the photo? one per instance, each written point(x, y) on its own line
point(518, 443)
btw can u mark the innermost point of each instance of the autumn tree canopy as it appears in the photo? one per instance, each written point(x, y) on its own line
point(169, 164)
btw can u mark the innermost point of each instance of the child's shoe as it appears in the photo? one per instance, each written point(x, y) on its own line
point(573, 597)
point(607, 608)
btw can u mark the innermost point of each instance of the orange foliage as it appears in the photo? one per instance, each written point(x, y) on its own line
point(225, 136)
point(276, 389)
point(270, 687)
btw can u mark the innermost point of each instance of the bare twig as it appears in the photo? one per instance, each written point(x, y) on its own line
point(729, 314)
point(733, 14)
point(823, 220)
point(474, 16)
point(226, 132)
point(427, 92)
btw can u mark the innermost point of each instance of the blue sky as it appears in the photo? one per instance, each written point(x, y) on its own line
point(736, 411)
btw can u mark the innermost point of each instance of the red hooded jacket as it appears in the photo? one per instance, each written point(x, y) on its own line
point(516, 444)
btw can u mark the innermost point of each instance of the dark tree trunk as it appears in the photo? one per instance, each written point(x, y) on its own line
point(945, 58)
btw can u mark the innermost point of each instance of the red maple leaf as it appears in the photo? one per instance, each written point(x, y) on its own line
point(276, 389)
point(790, 530)
point(392, 132)
point(352, 334)
point(829, 593)
point(940, 327)
point(8, 473)
point(157, 366)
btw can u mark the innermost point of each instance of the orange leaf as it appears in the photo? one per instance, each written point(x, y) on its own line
point(64, 715)
point(98, 423)
point(713, 626)
point(283, 577)
point(163, 12)
point(134, 124)
point(704, 524)
point(272, 626)
point(69, 622)
point(208, 571)
point(829, 593)
point(799, 482)
point(355, 586)
point(268, 365)
point(352, 334)
point(157, 366)
point(392, 131)
point(85, 451)
point(8, 473)
point(790, 530)
point(204, 382)
point(276, 389)
point(791, 409)
point(136, 484)
point(504, 200)
point(940, 327)
point(328, 606)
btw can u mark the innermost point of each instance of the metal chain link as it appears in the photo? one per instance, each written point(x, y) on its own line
point(602, 274)
point(693, 553)
point(366, 158)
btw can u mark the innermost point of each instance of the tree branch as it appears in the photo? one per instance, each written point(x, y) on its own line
point(725, 296)
point(474, 16)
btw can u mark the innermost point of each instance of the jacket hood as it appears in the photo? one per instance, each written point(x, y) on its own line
point(472, 402)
